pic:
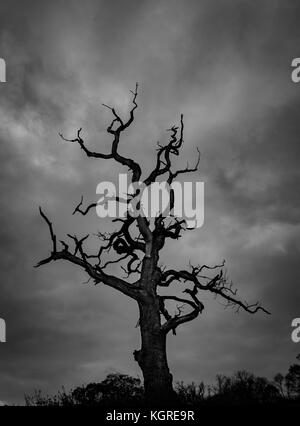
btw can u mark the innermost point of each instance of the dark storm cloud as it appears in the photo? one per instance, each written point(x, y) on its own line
point(226, 66)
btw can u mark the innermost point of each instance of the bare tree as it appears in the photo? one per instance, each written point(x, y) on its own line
point(137, 243)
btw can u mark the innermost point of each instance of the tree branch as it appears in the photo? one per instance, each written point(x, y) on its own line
point(131, 164)
point(53, 237)
point(217, 285)
point(173, 322)
point(96, 273)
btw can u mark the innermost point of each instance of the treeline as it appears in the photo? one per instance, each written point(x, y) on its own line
point(242, 388)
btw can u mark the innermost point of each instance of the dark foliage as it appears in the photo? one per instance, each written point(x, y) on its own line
point(293, 381)
point(242, 388)
point(117, 389)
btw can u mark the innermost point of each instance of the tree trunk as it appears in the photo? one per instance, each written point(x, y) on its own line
point(152, 357)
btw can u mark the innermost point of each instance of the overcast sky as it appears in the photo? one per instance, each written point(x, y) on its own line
point(226, 66)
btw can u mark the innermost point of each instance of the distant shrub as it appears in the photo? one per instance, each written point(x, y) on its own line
point(244, 388)
point(292, 380)
point(115, 389)
point(121, 390)
point(190, 394)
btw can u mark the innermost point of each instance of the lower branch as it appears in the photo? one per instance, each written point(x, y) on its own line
point(173, 322)
point(95, 272)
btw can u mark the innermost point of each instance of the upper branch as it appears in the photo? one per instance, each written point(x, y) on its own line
point(53, 236)
point(89, 153)
point(163, 160)
point(188, 169)
point(116, 132)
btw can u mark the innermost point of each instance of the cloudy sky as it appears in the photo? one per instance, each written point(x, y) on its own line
point(226, 67)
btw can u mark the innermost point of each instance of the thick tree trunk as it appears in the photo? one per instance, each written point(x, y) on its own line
point(152, 357)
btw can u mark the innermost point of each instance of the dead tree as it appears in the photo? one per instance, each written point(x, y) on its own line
point(138, 243)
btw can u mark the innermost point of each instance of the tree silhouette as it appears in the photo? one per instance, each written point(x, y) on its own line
point(293, 381)
point(138, 243)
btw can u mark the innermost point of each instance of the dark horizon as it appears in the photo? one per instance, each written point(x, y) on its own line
point(227, 68)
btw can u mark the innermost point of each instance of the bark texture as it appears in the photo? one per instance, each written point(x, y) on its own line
point(152, 357)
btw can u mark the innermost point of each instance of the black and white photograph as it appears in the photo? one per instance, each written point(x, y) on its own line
point(150, 207)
